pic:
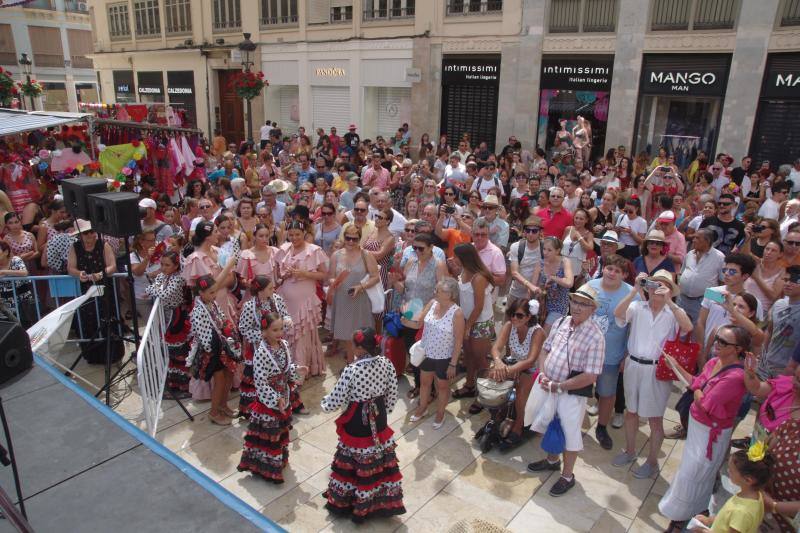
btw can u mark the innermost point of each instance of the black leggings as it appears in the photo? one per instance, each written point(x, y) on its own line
point(409, 338)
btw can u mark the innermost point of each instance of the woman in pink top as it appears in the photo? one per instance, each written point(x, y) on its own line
point(718, 392)
point(260, 260)
point(781, 399)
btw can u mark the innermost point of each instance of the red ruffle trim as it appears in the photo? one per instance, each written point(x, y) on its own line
point(392, 478)
point(261, 409)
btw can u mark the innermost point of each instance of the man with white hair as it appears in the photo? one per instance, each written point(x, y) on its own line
point(269, 199)
point(794, 176)
point(378, 201)
point(238, 186)
point(792, 216)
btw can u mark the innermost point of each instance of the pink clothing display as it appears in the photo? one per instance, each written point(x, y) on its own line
point(722, 396)
point(303, 304)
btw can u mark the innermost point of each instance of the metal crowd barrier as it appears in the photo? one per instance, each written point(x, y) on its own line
point(152, 362)
point(60, 288)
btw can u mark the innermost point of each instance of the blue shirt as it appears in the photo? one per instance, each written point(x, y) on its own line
point(438, 254)
point(616, 337)
point(309, 174)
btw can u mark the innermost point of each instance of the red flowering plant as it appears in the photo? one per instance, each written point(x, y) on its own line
point(8, 91)
point(248, 85)
point(30, 88)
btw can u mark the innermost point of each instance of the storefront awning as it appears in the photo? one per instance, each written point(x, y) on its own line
point(13, 122)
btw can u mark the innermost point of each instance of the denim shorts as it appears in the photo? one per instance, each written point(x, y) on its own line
point(606, 384)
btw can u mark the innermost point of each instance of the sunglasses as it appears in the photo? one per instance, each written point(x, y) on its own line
point(205, 207)
point(327, 213)
point(418, 248)
point(555, 196)
point(656, 243)
point(359, 210)
point(489, 206)
point(411, 230)
point(520, 315)
point(722, 342)
point(352, 239)
point(531, 229)
point(791, 243)
point(380, 217)
point(730, 271)
point(449, 194)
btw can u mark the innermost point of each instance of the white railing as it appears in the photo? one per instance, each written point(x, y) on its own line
point(152, 361)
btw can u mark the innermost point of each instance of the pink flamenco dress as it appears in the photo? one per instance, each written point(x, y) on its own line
point(249, 267)
point(200, 264)
point(304, 305)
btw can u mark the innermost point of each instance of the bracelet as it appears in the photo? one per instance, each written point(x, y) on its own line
point(453, 365)
point(775, 507)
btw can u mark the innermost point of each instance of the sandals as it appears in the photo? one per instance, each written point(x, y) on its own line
point(413, 393)
point(465, 392)
point(511, 441)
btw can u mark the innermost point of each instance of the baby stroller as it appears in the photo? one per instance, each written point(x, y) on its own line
point(498, 398)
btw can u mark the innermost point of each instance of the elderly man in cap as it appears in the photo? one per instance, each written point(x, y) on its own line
point(674, 239)
point(653, 320)
point(574, 350)
point(161, 230)
point(498, 228)
point(700, 271)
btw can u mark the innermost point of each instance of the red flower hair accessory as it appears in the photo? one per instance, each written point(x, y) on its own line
point(358, 336)
point(203, 284)
point(634, 197)
point(378, 339)
point(524, 202)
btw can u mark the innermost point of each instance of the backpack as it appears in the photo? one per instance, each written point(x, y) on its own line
point(496, 183)
point(521, 250)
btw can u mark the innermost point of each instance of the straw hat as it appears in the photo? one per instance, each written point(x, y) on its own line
point(81, 226)
point(610, 236)
point(586, 292)
point(492, 200)
point(664, 276)
point(279, 186)
point(655, 235)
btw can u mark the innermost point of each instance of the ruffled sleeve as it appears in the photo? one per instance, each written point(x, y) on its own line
point(202, 330)
point(340, 393)
point(194, 268)
point(245, 266)
point(314, 258)
point(249, 325)
point(263, 368)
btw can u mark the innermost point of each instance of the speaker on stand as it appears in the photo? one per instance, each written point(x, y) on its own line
point(76, 192)
point(15, 351)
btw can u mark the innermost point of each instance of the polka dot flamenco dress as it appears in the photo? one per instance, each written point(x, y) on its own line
point(365, 479)
point(266, 443)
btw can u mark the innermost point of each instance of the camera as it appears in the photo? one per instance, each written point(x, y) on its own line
point(649, 285)
point(449, 209)
point(758, 228)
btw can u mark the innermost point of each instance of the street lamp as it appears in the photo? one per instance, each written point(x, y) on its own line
point(26, 63)
point(247, 47)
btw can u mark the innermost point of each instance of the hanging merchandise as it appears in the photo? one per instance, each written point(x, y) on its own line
point(114, 158)
point(70, 158)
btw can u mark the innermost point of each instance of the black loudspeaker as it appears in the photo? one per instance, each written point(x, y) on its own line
point(15, 351)
point(76, 191)
point(115, 213)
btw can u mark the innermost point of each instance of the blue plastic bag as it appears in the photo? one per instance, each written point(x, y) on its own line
point(392, 324)
point(554, 441)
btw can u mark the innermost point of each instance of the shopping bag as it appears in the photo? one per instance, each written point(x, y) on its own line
point(684, 352)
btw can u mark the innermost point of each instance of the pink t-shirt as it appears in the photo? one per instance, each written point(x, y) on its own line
point(493, 258)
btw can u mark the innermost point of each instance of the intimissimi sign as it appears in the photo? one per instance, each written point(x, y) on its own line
point(478, 70)
point(590, 73)
point(688, 74)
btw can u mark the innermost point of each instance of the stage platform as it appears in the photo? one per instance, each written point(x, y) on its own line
point(83, 468)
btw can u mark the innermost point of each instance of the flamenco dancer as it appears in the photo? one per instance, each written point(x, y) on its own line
point(214, 351)
point(264, 301)
point(266, 443)
point(176, 298)
point(366, 479)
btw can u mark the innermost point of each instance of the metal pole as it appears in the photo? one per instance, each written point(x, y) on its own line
point(33, 106)
point(249, 122)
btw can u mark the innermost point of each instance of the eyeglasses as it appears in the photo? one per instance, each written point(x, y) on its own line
point(411, 230)
point(418, 248)
point(352, 239)
point(582, 305)
point(484, 206)
point(555, 196)
point(449, 194)
point(722, 342)
point(327, 213)
point(531, 229)
point(380, 217)
point(359, 210)
point(305, 190)
point(430, 186)
point(480, 234)
point(654, 243)
point(791, 243)
point(520, 315)
point(476, 198)
point(729, 271)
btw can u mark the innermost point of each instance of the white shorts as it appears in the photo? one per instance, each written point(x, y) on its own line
point(645, 395)
point(542, 406)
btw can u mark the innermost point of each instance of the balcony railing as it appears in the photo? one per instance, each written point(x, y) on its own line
point(227, 26)
point(790, 14)
point(676, 15)
point(565, 16)
point(76, 6)
point(388, 13)
point(40, 4)
point(575, 16)
point(473, 7)
point(341, 14)
point(279, 21)
point(715, 15)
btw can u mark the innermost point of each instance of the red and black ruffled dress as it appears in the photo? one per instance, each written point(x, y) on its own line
point(266, 443)
point(177, 302)
point(209, 352)
point(250, 328)
point(365, 478)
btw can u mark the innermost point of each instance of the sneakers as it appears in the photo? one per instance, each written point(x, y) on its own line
point(618, 421)
point(544, 465)
point(623, 459)
point(591, 409)
point(678, 432)
point(601, 433)
point(561, 486)
point(645, 471)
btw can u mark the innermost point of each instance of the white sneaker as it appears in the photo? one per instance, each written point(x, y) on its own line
point(591, 409)
point(618, 421)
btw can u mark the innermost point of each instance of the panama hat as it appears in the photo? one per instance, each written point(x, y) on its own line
point(81, 226)
point(610, 236)
point(655, 235)
point(586, 292)
point(664, 276)
point(279, 186)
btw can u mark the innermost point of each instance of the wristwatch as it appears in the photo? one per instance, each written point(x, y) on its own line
point(558, 389)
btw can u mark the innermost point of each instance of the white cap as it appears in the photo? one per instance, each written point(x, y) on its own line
point(148, 202)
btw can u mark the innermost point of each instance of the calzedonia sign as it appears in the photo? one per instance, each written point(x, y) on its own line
point(471, 71)
point(584, 74)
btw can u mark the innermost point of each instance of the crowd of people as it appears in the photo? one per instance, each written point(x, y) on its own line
point(583, 282)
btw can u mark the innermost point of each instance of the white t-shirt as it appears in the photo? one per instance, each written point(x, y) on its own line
point(769, 209)
point(140, 283)
point(265, 132)
point(638, 225)
point(530, 259)
point(453, 175)
point(483, 185)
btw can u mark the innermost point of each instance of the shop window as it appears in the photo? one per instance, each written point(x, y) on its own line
point(473, 7)
point(55, 97)
point(676, 15)
point(8, 51)
point(388, 9)
point(790, 13)
point(227, 16)
point(87, 92)
point(118, 23)
point(46, 44)
point(147, 18)
point(278, 13)
point(178, 16)
point(80, 45)
point(575, 16)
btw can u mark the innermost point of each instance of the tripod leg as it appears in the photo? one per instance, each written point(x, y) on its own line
point(13, 459)
point(180, 404)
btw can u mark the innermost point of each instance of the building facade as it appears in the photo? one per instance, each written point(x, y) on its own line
point(717, 75)
point(56, 36)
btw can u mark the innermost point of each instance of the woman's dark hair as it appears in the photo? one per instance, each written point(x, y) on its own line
point(520, 304)
point(520, 209)
point(172, 256)
point(190, 188)
point(268, 319)
point(759, 471)
point(750, 300)
point(204, 283)
point(298, 224)
point(389, 214)
point(468, 256)
point(740, 334)
point(203, 230)
point(222, 217)
point(555, 242)
point(301, 211)
point(258, 227)
point(424, 238)
point(8, 216)
point(55, 205)
point(367, 339)
point(586, 214)
point(259, 283)
point(5, 248)
point(245, 200)
point(328, 205)
point(635, 203)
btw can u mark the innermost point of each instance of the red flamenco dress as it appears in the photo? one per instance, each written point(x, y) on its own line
point(365, 479)
point(266, 443)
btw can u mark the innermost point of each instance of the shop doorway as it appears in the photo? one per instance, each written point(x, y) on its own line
point(231, 109)
point(470, 89)
point(776, 136)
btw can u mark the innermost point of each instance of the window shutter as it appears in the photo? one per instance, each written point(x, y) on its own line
point(8, 52)
point(46, 44)
point(80, 44)
point(319, 11)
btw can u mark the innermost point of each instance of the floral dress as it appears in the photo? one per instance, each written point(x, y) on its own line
point(365, 479)
point(266, 443)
